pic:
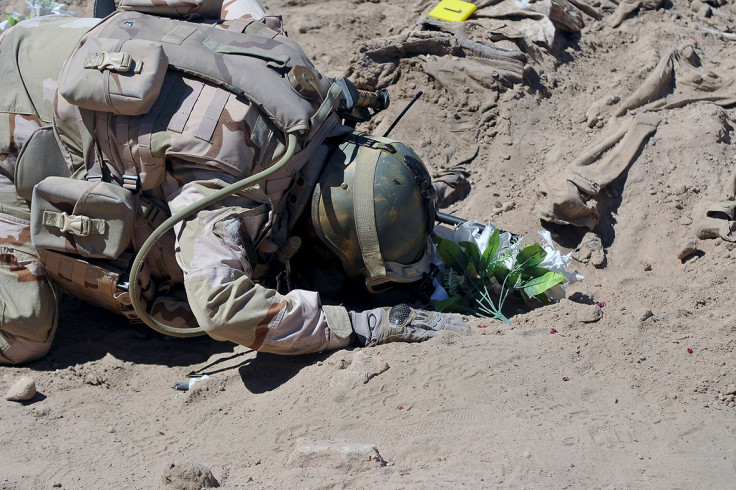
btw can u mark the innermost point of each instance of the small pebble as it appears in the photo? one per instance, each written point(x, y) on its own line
point(187, 475)
point(645, 315)
point(42, 411)
point(589, 313)
point(688, 249)
point(22, 390)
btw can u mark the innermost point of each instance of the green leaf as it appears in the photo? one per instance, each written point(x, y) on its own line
point(450, 304)
point(531, 256)
point(534, 271)
point(11, 20)
point(471, 249)
point(543, 298)
point(452, 255)
point(539, 285)
point(491, 249)
point(500, 273)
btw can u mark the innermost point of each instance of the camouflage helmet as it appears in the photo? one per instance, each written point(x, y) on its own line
point(374, 208)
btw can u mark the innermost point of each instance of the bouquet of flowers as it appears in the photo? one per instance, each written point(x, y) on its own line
point(36, 8)
point(480, 267)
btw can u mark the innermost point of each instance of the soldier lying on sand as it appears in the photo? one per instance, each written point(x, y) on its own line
point(110, 126)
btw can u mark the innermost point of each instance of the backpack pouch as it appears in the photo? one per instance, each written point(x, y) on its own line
point(92, 219)
point(115, 75)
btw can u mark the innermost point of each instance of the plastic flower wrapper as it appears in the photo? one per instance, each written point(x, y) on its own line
point(10, 20)
point(481, 267)
point(36, 8)
point(556, 262)
point(39, 8)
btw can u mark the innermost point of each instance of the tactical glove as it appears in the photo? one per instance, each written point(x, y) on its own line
point(401, 323)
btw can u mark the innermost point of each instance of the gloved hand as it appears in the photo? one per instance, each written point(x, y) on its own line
point(401, 323)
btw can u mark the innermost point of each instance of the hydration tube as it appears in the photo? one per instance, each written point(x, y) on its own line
point(134, 288)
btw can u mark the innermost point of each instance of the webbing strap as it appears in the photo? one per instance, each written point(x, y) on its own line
point(51, 263)
point(239, 25)
point(4, 345)
point(85, 123)
point(79, 274)
point(130, 171)
point(79, 225)
point(145, 130)
point(179, 121)
point(365, 212)
point(328, 106)
point(107, 282)
point(273, 60)
point(102, 119)
point(209, 122)
point(84, 280)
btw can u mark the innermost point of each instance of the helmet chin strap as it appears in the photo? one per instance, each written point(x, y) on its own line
point(402, 273)
point(378, 271)
point(365, 214)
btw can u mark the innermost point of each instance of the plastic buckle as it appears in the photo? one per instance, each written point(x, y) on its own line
point(120, 62)
point(131, 182)
point(76, 225)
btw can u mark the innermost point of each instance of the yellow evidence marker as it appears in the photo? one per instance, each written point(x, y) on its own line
point(452, 10)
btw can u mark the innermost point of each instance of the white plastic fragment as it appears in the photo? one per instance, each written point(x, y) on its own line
point(188, 385)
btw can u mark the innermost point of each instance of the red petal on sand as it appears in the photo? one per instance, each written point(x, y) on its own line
point(482, 326)
point(553, 331)
point(689, 350)
point(399, 407)
point(565, 378)
point(600, 303)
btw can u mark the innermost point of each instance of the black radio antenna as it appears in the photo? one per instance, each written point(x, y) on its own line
point(408, 106)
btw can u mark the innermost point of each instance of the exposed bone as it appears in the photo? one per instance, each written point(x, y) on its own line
point(653, 86)
point(628, 7)
point(563, 14)
point(565, 198)
point(587, 9)
point(730, 36)
point(609, 168)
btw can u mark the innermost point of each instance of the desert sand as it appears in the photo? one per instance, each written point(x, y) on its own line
point(635, 389)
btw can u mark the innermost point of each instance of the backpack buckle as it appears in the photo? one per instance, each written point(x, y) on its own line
point(74, 224)
point(120, 62)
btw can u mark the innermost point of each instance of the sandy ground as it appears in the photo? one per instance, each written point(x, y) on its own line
point(635, 394)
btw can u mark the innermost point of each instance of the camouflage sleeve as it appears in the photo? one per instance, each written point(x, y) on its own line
point(227, 303)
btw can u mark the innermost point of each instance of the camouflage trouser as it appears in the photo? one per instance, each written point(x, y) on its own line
point(28, 302)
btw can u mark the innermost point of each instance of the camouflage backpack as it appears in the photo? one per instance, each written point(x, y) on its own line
point(118, 70)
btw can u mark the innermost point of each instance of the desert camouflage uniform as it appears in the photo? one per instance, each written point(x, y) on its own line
point(215, 257)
